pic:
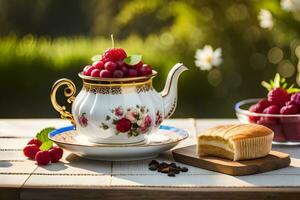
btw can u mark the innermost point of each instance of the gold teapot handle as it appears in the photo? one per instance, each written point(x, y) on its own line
point(69, 92)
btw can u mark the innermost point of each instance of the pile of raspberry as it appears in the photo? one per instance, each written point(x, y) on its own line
point(112, 65)
point(32, 151)
point(279, 101)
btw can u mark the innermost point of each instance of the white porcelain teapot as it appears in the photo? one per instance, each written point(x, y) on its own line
point(118, 110)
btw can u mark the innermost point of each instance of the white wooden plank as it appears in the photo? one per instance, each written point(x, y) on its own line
point(180, 180)
point(12, 155)
point(13, 143)
point(71, 164)
point(141, 167)
point(27, 166)
point(15, 181)
point(60, 181)
point(219, 180)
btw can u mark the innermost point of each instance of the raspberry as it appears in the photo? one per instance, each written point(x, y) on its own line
point(105, 74)
point(124, 70)
point(263, 104)
point(278, 96)
point(85, 69)
point(289, 110)
point(95, 73)
point(119, 63)
point(98, 64)
point(110, 66)
point(139, 65)
point(31, 150)
point(254, 108)
point(89, 71)
point(296, 98)
point(132, 73)
point(118, 73)
point(290, 103)
point(114, 54)
point(43, 157)
point(259, 106)
point(267, 121)
point(273, 109)
point(56, 154)
point(35, 141)
point(145, 70)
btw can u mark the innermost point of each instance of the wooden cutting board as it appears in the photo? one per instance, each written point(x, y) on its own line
point(275, 160)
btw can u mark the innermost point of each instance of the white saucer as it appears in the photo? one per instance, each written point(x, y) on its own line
point(164, 139)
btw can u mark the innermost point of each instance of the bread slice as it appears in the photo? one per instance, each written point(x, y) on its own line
point(236, 142)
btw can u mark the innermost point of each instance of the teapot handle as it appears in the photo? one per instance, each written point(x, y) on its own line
point(69, 92)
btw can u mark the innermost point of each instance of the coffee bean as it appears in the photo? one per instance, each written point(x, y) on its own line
point(172, 174)
point(153, 162)
point(171, 169)
point(153, 167)
point(165, 170)
point(184, 169)
point(177, 171)
point(163, 165)
point(173, 165)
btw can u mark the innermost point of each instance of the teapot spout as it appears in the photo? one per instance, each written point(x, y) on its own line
point(169, 93)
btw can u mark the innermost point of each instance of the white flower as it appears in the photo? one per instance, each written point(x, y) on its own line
point(265, 19)
point(206, 58)
point(290, 5)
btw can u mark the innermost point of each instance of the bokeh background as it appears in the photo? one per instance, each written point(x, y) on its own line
point(44, 40)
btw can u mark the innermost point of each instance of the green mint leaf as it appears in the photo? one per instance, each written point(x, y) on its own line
point(282, 80)
point(293, 90)
point(43, 134)
point(266, 85)
point(277, 80)
point(284, 85)
point(133, 59)
point(96, 58)
point(46, 145)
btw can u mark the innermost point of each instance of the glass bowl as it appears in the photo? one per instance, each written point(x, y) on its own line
point(286, 127)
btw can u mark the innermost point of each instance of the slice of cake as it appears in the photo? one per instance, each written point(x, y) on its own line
point(236, 142)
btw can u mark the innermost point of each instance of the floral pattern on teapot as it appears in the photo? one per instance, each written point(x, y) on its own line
point(133, 121)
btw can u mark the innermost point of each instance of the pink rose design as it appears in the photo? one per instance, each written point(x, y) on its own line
point(123, 125)
point(119, 111)
point(83, 121)
point(147, 121)
point(143, 129)
point(131, 116)
point(158, 118)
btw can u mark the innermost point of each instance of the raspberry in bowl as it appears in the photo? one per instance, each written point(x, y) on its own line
point(280, 111)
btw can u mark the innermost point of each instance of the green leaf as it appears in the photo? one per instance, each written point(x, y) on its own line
point(43, 134)
point(133, 59)
point(46, 145)
point(293, 90)
point(96, 58)
point(267, 85)
point(277, 80)
point(284, 85)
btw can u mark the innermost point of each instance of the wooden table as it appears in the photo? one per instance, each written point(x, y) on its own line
point(78, 178)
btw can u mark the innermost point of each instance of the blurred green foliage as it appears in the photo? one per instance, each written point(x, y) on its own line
point(44, 40)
